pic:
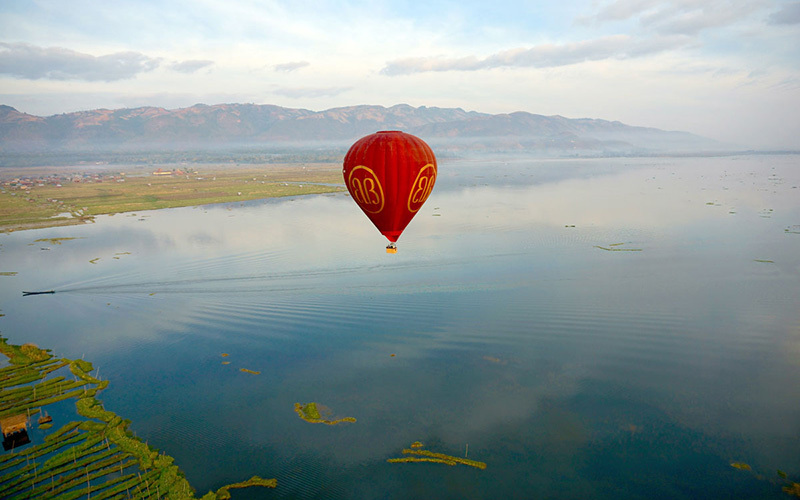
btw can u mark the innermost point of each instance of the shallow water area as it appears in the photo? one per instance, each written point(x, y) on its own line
point(603, 328)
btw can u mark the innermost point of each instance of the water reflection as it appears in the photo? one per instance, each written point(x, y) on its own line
point(499, 324)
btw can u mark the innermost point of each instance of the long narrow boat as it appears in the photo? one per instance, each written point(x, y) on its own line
point(25, 294)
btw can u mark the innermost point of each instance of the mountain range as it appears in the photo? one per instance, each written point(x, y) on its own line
point(226, 125)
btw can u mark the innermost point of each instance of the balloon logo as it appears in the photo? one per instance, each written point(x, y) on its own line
point(366, 189)
point(390, 174)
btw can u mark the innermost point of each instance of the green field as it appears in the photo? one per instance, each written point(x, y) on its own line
point(78, 202)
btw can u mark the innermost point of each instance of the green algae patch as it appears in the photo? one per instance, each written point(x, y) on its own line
point(617, 247)
point(416, 454)
point(8, 273)
point(24, 354)
point(95, 458)
point(311, 413)
point(252, 372)
point(764, 261)
point(793, 489)
point(55, 241)
point(225, 494)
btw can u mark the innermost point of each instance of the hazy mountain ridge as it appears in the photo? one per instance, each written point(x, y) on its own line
point(205, 126)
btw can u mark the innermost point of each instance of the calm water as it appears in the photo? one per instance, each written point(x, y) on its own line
point(500, 330)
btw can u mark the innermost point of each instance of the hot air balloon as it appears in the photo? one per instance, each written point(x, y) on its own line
point(390, 174)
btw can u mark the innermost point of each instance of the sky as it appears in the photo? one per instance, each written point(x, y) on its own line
point(725, 69)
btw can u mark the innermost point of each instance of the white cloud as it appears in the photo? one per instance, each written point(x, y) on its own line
point(22, 60)
point(190, 66)
point(788, 14)
point(291, 66)
point(687, 17)
point(309, 92)
point(542, 56)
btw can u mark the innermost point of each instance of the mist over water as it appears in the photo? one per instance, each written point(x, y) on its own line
point(603, 328)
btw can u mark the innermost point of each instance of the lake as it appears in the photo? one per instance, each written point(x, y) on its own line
point(593, 328)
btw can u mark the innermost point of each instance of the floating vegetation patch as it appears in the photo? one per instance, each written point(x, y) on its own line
point(765, 261)
point(245, 370)
point(417, 454)
point(617, 247)
point(55, 241)
point(791, 487)
point(314, 414)
point(224, 493)
point(492, 359)
point(94, 261)
point(792, 229)
point(95, 458)
point(8, 273)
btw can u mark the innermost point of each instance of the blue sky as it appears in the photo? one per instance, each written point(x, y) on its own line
point(726, 69)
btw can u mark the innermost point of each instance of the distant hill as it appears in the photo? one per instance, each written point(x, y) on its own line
point(225, 125)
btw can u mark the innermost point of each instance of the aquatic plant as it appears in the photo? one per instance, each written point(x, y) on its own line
point(245, 370)
point(96, 458)
point(420, 455)
point(614, 247)
point(793, 489)
point(310, 413)
point(23, 354)
point(55, 241)
point(224, 493)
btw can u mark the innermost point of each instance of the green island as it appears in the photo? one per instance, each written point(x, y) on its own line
point(310, 413)
point(420, 455)
point(69, 199)
point(97, 458)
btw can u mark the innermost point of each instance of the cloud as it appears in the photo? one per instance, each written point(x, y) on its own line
point(621, 10)
point(789, 14)
point(298, 93)
point(291, 66)
point(190, 66)
point(542, 56)
point(57, 63)
point(687, 17)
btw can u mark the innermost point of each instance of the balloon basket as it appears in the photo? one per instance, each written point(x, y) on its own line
point(391, 248)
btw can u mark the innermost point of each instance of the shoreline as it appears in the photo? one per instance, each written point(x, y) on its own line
point(43, 196)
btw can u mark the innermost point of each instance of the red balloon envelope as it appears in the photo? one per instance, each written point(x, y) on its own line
point(390, 175)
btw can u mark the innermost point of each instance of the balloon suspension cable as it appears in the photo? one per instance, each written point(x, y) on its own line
point(391, 248)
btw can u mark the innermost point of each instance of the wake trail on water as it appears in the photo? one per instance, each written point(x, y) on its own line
point(286, 281)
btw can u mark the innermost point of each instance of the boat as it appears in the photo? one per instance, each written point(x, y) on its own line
point(25, 294)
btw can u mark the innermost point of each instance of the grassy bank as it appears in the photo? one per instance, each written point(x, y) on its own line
point(48, 203)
